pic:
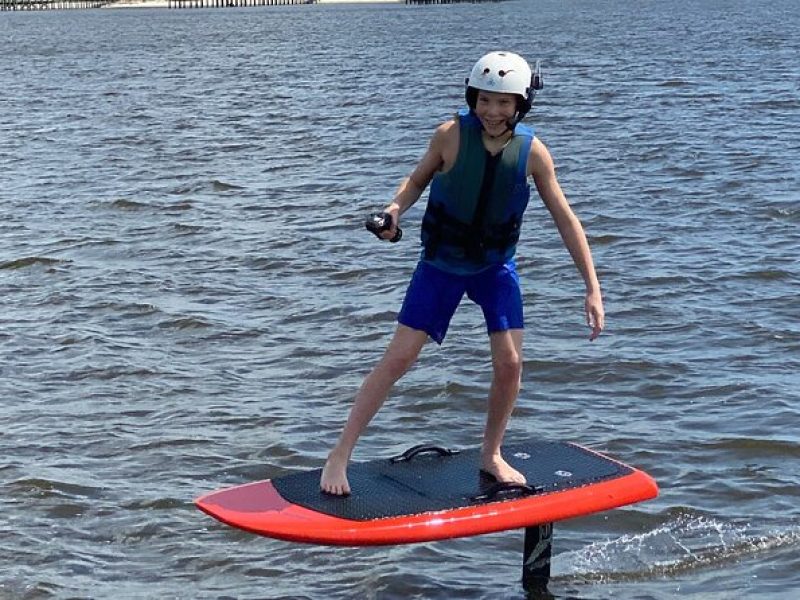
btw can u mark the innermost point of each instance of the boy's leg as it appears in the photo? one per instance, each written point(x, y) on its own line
point(507, 372)
point(401, 353)
point(498, 293)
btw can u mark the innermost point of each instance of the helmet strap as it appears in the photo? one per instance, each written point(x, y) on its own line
point(528, 106)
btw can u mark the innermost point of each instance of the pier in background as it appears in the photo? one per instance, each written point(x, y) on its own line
point(35, 5)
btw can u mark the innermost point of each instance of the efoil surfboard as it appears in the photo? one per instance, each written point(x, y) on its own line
point(430, 493)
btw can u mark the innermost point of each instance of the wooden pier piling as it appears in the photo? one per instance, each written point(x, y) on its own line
point(50, 4)
point(232, 3)
point(73, 4)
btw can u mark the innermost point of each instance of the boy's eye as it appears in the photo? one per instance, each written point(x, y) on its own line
point(499, 101)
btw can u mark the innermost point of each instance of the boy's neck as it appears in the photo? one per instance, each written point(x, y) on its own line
point(494, 145)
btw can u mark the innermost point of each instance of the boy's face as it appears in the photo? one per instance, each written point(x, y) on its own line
point(494, 110)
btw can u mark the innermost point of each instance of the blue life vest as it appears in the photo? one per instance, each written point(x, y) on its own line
point(474, 211)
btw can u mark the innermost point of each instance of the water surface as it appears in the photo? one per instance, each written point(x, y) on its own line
point(189, 299)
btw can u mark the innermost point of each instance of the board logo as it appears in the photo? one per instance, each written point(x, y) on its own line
point(564, 473)
point(522, 455)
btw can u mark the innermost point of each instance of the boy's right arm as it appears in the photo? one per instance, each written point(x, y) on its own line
point(411, 187)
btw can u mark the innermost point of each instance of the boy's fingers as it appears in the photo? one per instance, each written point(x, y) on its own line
point(596, 322)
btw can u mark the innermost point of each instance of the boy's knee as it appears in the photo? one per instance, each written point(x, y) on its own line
point(398, 363)
point(508, 367)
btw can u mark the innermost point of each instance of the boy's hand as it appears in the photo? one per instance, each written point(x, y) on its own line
point(595, 315)
point(384, 226)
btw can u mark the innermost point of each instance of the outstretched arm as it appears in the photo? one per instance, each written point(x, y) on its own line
point(540, 165)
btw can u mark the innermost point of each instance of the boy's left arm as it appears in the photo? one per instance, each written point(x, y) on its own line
point(540, 165)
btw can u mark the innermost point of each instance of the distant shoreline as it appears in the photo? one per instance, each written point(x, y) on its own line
point(164, 3)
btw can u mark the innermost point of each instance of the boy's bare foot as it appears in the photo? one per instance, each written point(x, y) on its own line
point(498, 468)
point(334, 477)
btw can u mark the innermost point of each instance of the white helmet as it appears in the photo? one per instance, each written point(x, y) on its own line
point(507, 73)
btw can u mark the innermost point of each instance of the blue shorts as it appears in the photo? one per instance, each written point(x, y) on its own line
point(433, 296)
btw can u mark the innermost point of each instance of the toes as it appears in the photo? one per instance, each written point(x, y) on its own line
point(335, 490)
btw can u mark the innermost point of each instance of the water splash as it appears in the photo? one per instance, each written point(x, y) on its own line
point(682, 545)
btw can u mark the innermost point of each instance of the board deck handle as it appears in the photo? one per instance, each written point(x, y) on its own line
point(507, 489)
point(422, 449)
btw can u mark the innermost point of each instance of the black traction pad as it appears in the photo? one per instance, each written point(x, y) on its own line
point(430, 482)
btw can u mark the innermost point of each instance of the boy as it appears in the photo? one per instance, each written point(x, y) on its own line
point(478, 165)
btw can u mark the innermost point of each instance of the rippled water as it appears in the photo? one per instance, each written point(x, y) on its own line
point(189, 300)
